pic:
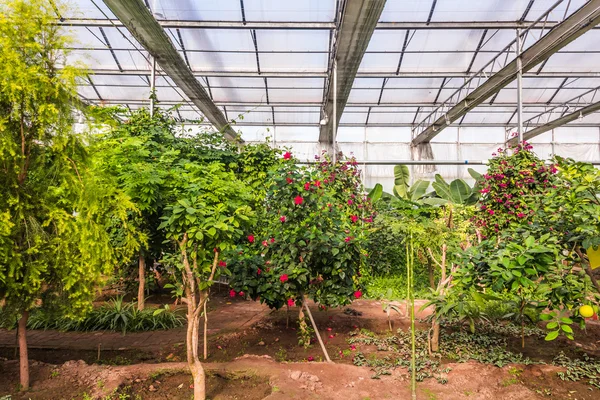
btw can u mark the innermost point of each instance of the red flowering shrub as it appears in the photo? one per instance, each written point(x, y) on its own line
point(512, 189)
point(312, 228)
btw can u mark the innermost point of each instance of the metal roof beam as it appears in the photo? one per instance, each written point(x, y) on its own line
point(147, 31)
point(183, 24)
point(592, 108)
point(243, 105)
point(356, 27)
point(570, 29)
point(316, 74)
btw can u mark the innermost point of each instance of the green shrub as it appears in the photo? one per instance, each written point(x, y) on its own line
point(394, 287)
point(115, 315)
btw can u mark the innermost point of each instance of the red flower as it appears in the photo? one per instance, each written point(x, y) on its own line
point(222, 264)
point(331, 336)
point(318, 183)
point(311, 358)
point(521, 215)
point(264, 243)
point(307, 186)
point(358, 294)
point(354, 218)
point(298, 200)
point(272, 240)
point(283, 278)
point(259, 271)
point(291, 302)
point(350, 202)
point(251, 238)
point(232, 293)
point(282, 219)
point(289, 180)
point(287, 155)
point(241, 293)
point(348, 238)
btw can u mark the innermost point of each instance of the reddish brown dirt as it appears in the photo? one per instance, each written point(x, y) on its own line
point(254, 377)
point(287, 371)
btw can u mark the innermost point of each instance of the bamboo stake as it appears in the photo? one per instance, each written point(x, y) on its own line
point(312, 321)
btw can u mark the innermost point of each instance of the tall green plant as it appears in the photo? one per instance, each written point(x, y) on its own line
point(54, 244)
point(206, 215)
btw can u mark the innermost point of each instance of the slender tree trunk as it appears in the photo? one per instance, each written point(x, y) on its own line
point(194, 363)
point(205, 331)
point(142, 281)
point(430, 270)
point(435, 339)
point(23, 356)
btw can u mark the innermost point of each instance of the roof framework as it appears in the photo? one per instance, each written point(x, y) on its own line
point(272, 61)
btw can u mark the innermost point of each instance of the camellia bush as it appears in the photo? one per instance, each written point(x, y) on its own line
point(309, 242)
point(553, 209)
point(512, 189)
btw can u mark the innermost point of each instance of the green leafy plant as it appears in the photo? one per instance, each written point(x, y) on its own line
point(206, 215)
point(56, 209)
point(115, 315)
point(308, 243)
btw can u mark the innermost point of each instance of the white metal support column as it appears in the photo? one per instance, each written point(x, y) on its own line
point(152, 87)
point(334, 125)
point(518, 45)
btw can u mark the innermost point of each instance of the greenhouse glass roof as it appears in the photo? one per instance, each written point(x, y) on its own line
point(272, 60)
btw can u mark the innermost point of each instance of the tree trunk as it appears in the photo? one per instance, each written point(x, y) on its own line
point(205, 332)
point(199, 379)
point(435, 339)
point(23, 357)
point(142, 282)
point(193, 360)
point(430, 270)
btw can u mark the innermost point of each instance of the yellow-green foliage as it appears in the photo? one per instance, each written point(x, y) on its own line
point(54, 209)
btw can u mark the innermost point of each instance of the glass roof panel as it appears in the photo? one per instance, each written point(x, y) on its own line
point(295, 83)
point(368, 83)
point(87, 9)
point(206, 10)
point(468, 10)
point(292, 40)
point(236, 82)
point(216, 39)
point(445, 40)
point(428, 62)
point(541, 6)
point(367, 96)
point(299, 116)
point(233, 95)
point(412, 83)
point(277, 10)
point(120, 80)
point(404, 117)
point(409, 96)
point(570, 62)
point(295, 95)
point(215, 62)
point(297, 62)
point(402, 10)
point(387, 40)
point(353, 118)
point(379, 63)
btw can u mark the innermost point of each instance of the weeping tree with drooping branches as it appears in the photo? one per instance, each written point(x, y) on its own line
point(56, 211)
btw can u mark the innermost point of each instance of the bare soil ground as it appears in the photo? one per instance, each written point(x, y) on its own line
point(263, 360)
